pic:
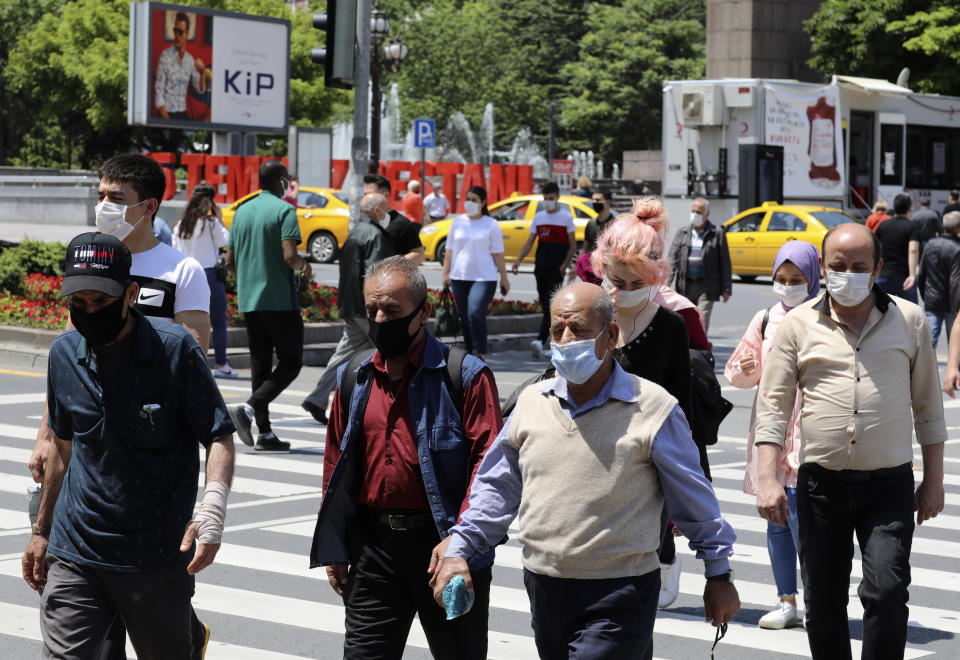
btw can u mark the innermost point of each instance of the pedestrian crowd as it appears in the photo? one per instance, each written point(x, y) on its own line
point(599, 460)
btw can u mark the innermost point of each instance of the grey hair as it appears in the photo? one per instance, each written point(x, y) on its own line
point(371, 201)
point(951, 221)
point(604, 309)
point(397, 265)
point(706, 202)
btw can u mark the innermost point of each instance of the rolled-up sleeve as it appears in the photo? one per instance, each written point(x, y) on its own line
point(689, 497)
point(926, 399)
point(494, 501)
point(778, 387)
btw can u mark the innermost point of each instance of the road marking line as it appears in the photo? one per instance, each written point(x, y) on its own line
point(32, 374)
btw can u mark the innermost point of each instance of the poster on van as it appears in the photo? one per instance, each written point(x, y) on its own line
point(807, 125)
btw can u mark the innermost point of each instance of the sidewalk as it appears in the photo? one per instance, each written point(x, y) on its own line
point(18, 231)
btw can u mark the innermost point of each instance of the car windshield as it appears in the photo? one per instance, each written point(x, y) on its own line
point(831, 219)
point(343, 197)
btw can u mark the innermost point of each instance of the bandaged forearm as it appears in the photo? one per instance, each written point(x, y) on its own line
point(212, 512)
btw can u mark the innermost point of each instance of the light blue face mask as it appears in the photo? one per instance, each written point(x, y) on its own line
point(577, 361)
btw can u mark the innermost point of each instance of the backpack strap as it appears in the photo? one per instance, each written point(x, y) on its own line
point(763, 323)
point(453, 375)
point(349, 381)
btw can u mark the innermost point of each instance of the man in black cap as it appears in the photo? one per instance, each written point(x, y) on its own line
point(130, 400)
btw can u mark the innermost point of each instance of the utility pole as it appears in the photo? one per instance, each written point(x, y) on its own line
point(361, 110)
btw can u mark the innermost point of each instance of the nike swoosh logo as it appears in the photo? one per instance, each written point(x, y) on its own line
point(151, 296)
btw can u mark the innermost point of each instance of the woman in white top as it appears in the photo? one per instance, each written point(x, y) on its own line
point(473, 259)
point(200, 233)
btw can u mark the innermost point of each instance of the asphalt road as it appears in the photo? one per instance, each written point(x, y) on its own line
point(263, 602)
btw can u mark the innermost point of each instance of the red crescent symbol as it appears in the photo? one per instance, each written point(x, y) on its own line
point(745, 127)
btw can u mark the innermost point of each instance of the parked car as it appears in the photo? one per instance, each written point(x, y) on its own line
point(754, 236)
point(514, 215)
point(323, 215)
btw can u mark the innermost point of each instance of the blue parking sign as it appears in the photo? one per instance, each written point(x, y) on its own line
point(424, 134)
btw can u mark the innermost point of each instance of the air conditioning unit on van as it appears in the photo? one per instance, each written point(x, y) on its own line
point(702, 105)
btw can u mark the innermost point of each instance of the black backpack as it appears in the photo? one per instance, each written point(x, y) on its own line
point(452, 375)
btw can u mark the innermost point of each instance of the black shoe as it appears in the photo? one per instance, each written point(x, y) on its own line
point(243, 423)
point(316, 412)
point(271, 443)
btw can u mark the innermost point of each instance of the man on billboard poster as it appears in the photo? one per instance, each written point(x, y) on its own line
point(176, 71)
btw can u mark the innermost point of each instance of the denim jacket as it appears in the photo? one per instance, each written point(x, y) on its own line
point(443, 448)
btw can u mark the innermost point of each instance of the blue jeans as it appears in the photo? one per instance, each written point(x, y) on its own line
point(894, 287)
point(782, 544)
point(218, 315)
point(934, 320)
point(472, 299)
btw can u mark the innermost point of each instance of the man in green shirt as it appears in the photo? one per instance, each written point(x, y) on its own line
point(262, 251)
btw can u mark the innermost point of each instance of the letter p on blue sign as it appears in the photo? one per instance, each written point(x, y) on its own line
point(424, 134)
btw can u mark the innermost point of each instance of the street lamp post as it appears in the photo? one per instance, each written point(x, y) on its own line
point(388, 59)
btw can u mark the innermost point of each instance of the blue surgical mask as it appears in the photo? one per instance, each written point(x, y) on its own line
point(577, 361)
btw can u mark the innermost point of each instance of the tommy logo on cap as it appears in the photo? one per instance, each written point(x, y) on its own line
point(96, 262)
point(93, 256)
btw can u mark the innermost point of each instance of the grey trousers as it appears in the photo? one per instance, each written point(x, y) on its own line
point(353, 340)
point(697, 294)
point(79, 604)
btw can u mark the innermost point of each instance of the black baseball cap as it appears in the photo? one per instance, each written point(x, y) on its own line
point(96, 262)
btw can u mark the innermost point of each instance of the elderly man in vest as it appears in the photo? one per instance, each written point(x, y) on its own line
point(407, 432)
point(588, 460)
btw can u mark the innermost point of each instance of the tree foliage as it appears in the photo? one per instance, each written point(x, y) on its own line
point(66, 80)
point(878, 38)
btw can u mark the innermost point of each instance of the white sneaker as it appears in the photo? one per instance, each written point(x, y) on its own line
point(536, 348)
point(669, 583)
point(785, 616)
point(224, 371)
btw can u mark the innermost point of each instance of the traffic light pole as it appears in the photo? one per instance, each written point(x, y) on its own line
point(359, 147)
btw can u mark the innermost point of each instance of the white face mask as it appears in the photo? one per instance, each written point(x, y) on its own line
point(577, 361)
point(110, 219)
point(627, 299)
point(696, 219)
point(848, 289)
point(791, 296)
point(384, 221)
point(550, 204)
point(471, 208)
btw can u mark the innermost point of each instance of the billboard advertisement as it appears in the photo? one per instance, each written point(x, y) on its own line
point(195, 68)
point(806, 123)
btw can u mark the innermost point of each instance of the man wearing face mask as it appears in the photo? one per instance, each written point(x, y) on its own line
point(602, 199)
point(130, 400)
point(407, 432)
point(404, 234)
point(864, 364)
point(588, 460)
point(700, 261)
point(366, 244)
point(262, 251)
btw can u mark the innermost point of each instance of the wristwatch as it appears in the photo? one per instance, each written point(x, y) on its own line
point(40, 530)
point(722, 577)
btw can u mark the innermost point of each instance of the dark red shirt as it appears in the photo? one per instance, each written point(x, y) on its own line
point(389, 459)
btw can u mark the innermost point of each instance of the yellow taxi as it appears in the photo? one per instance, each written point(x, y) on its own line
point(324, 218)
point(514, 214)
point(756, 235)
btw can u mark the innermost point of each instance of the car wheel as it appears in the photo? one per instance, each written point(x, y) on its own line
point(747, 278)
point(322, 247)
point(441, 250)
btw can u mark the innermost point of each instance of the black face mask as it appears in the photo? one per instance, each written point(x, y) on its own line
point(392, 337)
point(598, 207)
point(101, 327)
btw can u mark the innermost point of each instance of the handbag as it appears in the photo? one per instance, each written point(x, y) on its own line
point(221, 264)
point(448, 319)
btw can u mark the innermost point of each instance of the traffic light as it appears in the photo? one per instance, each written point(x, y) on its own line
point(340, 24)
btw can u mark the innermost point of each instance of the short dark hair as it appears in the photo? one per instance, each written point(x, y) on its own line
point(924, 201)
point(382, 183)
point(954, 195)
point(550, 187)
point(902, 204)
point(606, 192)
point(873, 235)
point(181, 16)
point(142, 172)
point(271, 171)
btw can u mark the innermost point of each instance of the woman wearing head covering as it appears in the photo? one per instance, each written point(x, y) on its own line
point(796, 279)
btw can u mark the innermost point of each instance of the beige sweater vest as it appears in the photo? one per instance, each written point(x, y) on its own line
point(591, 500)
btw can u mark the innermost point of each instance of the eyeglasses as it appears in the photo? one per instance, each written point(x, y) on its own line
point(178, 31)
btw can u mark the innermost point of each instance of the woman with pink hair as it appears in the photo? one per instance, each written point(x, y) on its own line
point(653, 339)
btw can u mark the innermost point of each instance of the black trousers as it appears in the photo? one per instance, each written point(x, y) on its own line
point(877, 506)
point(608, 619)
point(268, 332)
point(548, 281)
point(388, 584)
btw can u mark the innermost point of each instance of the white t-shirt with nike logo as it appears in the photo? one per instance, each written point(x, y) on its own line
point(170, 283)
